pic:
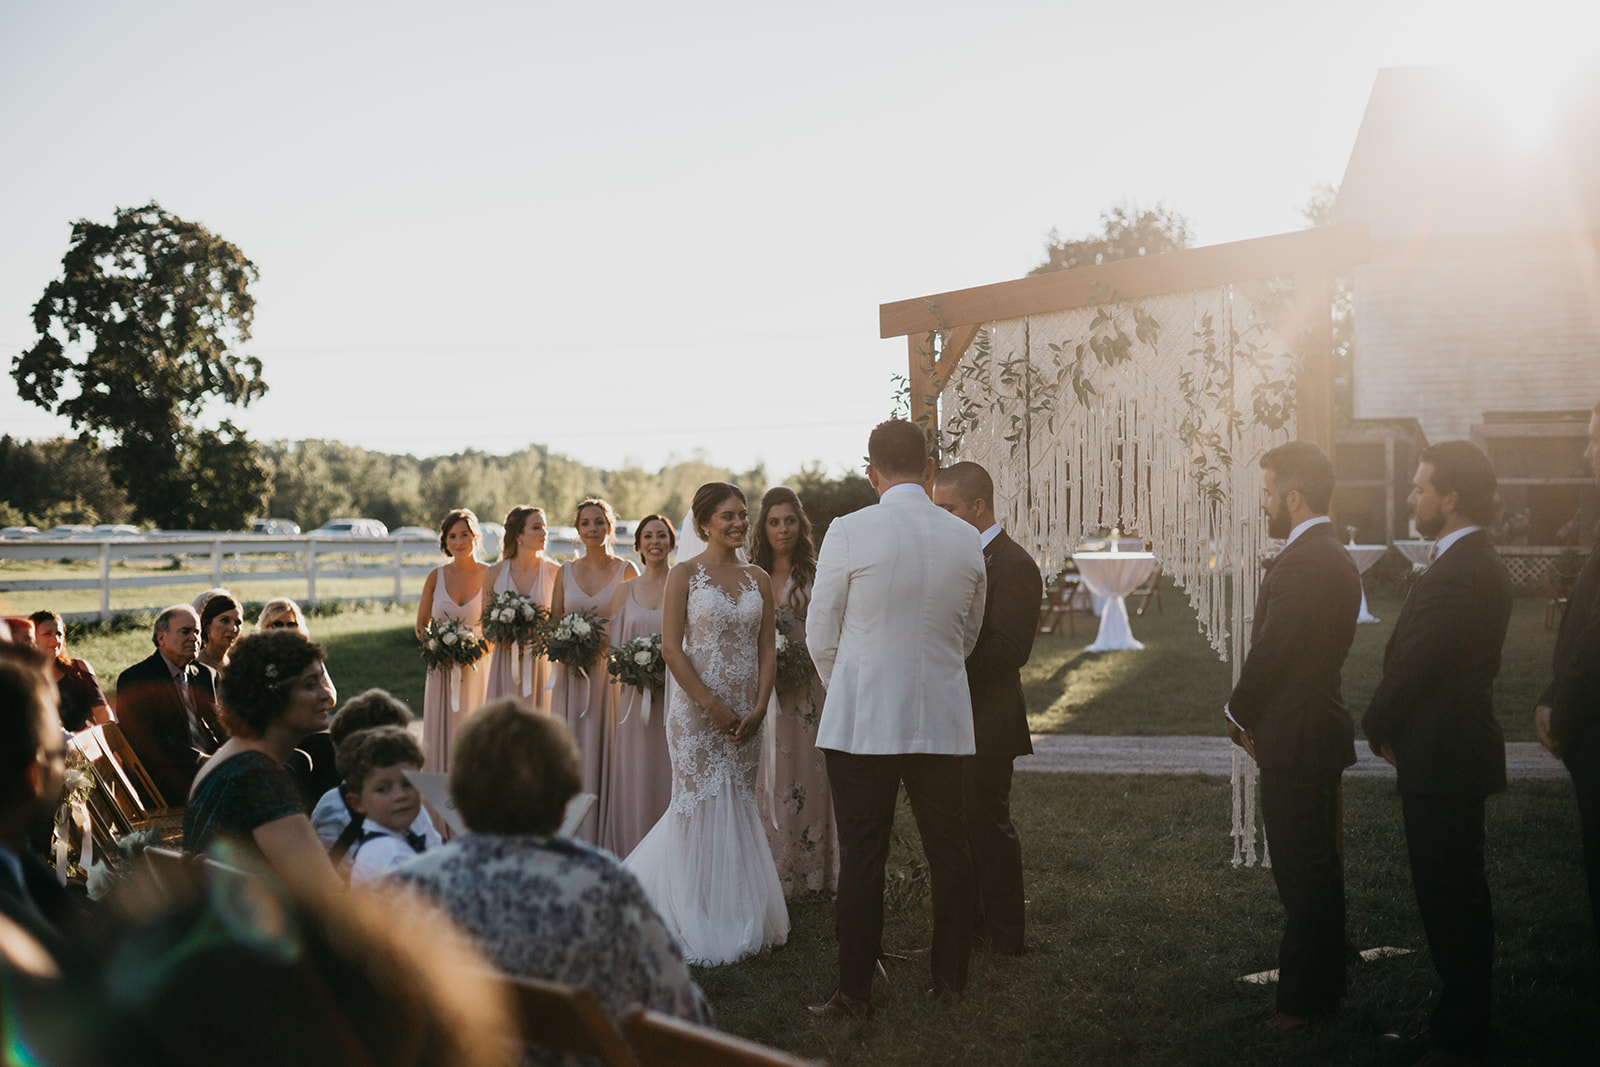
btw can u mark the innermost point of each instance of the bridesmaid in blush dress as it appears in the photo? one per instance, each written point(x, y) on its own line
point(638, 772)
point(588, 583)
point(796, 803)
point(452, 591)
point(522, 569)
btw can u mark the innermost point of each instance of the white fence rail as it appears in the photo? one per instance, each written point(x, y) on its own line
point(287, 560)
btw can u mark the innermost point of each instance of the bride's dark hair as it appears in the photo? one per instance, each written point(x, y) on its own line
point(803, 558)
point(706, 499)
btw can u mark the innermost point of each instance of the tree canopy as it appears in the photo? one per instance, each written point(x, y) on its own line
point(1126, 232)
point(139, 334)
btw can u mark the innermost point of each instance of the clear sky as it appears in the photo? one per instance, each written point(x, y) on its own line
point(633, 231)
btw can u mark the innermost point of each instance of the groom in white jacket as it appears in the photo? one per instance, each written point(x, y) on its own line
point(896, 608)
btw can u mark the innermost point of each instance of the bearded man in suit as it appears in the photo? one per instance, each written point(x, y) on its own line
point(1288, 713)
point(1568, 714)
point(895, 610)
point(999, 711)
point(1432, 717)
point(166, 706)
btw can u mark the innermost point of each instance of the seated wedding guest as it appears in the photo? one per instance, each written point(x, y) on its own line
point(374, 765)
point(221, 619)
point(538, 905)
point(32, 762)
point(276, 690)
point(78, 691)
point(166, 705)
point(233, 969)
point(281, 613)
point(331, 817)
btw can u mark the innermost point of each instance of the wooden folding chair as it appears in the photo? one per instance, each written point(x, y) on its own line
point(1150, 588)
point(171, 870)
point(663, 1041)
point(564, 1019)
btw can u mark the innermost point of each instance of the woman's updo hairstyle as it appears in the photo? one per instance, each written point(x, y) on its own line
point(216, 604)
point(255, 686)
point(595, 502)
point(455, 516)
point(706, 499)
point(638, 532)
point(516, 519)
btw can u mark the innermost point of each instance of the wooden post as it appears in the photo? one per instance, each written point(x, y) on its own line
point(1314, 311)
point(105, 581)
point(216, 563)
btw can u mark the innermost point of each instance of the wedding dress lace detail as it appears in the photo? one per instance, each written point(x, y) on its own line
point(720, 638)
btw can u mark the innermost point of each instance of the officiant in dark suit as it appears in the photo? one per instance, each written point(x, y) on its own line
point(999, 712)
point(1568, 715)
point(1432, 717)
point(166, 705)
point(1287, 711)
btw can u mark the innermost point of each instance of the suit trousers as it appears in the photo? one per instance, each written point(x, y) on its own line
point(1587, 786)
point(865, 789)
point(1444, 840)
point(1300, 810)
point(996, 852)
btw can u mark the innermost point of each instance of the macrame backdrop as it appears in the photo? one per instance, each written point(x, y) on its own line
point(1148, 415)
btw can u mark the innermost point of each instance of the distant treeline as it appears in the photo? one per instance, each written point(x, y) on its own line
point(46, 483)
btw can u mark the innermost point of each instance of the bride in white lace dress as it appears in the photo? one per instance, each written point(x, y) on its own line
point(706, 864)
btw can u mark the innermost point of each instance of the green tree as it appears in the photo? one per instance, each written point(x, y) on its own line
point(1126, 232)
point(136, 337)
point(825, 498)
point(61, 480)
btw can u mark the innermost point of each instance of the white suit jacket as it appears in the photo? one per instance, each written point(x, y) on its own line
point(896, 608)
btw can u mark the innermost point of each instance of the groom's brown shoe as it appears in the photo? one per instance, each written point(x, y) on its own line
point(840, 1006)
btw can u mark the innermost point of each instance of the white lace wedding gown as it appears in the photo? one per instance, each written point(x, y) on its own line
point(706, 865)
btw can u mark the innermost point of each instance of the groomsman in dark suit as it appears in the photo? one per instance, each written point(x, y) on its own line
point(166, 706)
point(1288, 713)
point(1568, 715)
point(1432, 717)
point(999, 712)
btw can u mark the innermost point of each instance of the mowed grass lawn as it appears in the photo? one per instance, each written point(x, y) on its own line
point(1140, 926)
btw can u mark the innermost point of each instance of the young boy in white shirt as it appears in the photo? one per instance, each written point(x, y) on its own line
point(373, 764)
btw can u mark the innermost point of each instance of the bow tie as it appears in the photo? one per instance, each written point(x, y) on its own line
point(417, 842)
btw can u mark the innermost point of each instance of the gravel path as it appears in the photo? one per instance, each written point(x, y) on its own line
point(1213, 755)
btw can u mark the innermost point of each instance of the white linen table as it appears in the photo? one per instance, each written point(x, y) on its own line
point(1114, 575)
point(1416, 551)
point(1365, 556)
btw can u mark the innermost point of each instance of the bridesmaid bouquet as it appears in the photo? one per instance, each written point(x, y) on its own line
point(575, 640)
point(639, 663)
point(509, 618)
point(447, 643)
point(794, 662)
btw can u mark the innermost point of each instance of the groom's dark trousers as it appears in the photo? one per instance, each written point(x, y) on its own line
point(865, 790)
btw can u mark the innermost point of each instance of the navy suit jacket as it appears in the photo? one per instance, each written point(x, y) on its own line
point(1574, 692)
point(1435, 703)
point(994, 667)
point(1288, 695)
point(152, 717)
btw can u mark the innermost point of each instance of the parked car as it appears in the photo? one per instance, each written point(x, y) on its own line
point(414, 533)
point(66, 532)
point(113, 530)
point(351, 528)
point(276, 527)
point(20, 533)
point(493, 534)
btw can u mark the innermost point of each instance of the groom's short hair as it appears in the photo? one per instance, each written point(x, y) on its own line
point(970, 481)
point(1302, 465)
point(898, 449)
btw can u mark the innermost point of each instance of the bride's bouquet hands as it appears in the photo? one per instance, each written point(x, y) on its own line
point(721, 715)
point(747, 726)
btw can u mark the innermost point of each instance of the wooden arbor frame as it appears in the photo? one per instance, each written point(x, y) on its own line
point(1308, 256)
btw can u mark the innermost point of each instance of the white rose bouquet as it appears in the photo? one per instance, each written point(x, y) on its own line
point(639, 664)
point(794, 662)
point(447, 643)
point(575, 639)
point(509, 618)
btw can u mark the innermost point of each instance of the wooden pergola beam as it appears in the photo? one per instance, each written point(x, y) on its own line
point(1322, 248)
